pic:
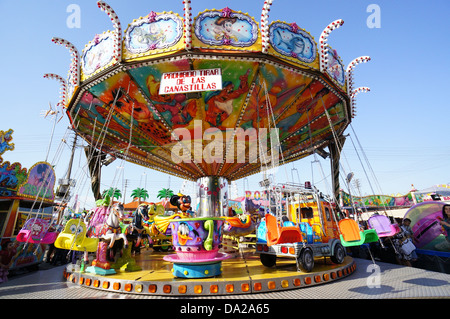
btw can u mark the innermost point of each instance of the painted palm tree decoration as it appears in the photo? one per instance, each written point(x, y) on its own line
point(165, 193)
point(113, 193)
point(139, 193)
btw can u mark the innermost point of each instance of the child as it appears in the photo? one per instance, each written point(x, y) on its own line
point(6, 255)
point(406, 228)
point(400, 239)
point(445, 223)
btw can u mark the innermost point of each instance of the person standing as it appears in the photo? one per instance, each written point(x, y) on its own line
point(6, 259)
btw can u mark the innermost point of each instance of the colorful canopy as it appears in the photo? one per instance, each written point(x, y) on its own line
point(183, 108)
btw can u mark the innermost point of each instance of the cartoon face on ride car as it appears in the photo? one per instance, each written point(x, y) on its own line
point(192, 233)
point(76, 230)
point(183, 233)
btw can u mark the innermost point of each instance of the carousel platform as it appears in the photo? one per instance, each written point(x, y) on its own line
point(243, 273)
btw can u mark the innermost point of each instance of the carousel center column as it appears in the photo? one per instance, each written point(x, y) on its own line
point(197, 240)
point(212, 194)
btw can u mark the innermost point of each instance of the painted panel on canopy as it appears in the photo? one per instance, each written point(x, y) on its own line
point(335, 68)
point(283, 87)
point(324, 101)
point(296, 117)
point(292, 43)
point(226, 29)
point(245, 135)
point(94, 110)
point(153, 34)
point(123, 93)
point(295, 146)
point(319, 126)
point(168, 106)
point(221, 109)
point(97, 55)
point(302, 125)
point(136, 152)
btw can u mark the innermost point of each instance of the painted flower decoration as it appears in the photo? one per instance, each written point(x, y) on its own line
point(226, 12)
point(152, 16)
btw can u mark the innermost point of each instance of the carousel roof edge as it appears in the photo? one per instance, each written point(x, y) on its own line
point(124, 66)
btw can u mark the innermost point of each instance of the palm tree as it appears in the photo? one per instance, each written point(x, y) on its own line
point(113, 193)
point(139, 193)
point(165, 193)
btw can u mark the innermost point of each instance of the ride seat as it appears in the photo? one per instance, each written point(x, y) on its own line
point(281, 235)
point(36, 231)
point(383, 226)
point(349, 230)
point(351, 235)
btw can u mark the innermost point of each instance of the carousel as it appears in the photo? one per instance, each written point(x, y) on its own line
point(210, 99)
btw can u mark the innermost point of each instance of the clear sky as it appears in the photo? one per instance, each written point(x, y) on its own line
point(401, 124)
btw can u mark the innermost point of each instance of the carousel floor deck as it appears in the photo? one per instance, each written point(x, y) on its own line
point(241, 274)
point(393, 282)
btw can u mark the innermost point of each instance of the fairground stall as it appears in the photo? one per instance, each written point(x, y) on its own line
point(26, 207)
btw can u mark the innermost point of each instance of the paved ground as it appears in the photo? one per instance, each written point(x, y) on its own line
point(384, 281)
point(383, 291)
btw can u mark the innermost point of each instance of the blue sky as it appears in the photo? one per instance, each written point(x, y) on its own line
point(401, 123)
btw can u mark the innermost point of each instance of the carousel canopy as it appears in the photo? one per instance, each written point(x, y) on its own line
point(218, 95)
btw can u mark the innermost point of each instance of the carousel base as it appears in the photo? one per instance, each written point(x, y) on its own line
point(100, 271)
point(243, 273)
point(199, 269)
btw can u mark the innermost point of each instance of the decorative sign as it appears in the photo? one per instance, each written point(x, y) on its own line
point(40, 182)
point(11, 176)
point(380, 200)
point(191, 81)
point(335, 67)
point(5, 141)
point(226, 27)
point(156, 31)
point(98, 53)
point(291, 41)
